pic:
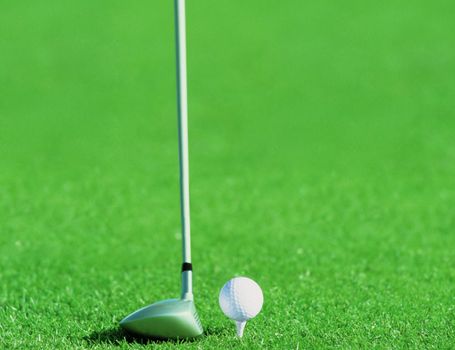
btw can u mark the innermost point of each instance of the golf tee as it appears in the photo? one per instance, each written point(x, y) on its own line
point(240, 325)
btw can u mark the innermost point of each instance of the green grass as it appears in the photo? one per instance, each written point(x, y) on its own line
point(322, 165)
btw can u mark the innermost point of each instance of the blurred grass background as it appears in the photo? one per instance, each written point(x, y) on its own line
point(322, 158)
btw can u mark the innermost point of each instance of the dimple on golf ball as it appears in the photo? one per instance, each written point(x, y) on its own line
point(241, 299)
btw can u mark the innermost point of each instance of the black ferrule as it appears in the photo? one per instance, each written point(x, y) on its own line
point(187, 267)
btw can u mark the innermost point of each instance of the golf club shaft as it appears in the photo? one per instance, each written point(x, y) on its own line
point(182, 97)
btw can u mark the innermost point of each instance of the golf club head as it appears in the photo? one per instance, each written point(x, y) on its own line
point(167, 319)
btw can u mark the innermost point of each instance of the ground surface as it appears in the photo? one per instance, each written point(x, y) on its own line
point(322, 155)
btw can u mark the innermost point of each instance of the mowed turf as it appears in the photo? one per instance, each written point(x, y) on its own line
point(322, 144)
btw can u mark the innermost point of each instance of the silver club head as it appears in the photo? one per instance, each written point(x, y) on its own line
point(167, 319)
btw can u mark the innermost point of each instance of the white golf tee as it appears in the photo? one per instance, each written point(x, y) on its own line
point(240, 325)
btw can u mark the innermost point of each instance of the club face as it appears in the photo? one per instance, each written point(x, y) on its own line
point(167, 319)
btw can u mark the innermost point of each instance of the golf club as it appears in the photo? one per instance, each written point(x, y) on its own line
point(175, 318)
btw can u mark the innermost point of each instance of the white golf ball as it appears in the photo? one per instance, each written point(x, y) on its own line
point(241, 299)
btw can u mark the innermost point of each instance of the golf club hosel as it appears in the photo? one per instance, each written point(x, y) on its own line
point(187, 285)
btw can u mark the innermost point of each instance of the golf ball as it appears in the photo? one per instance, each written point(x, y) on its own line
point(241, 299)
